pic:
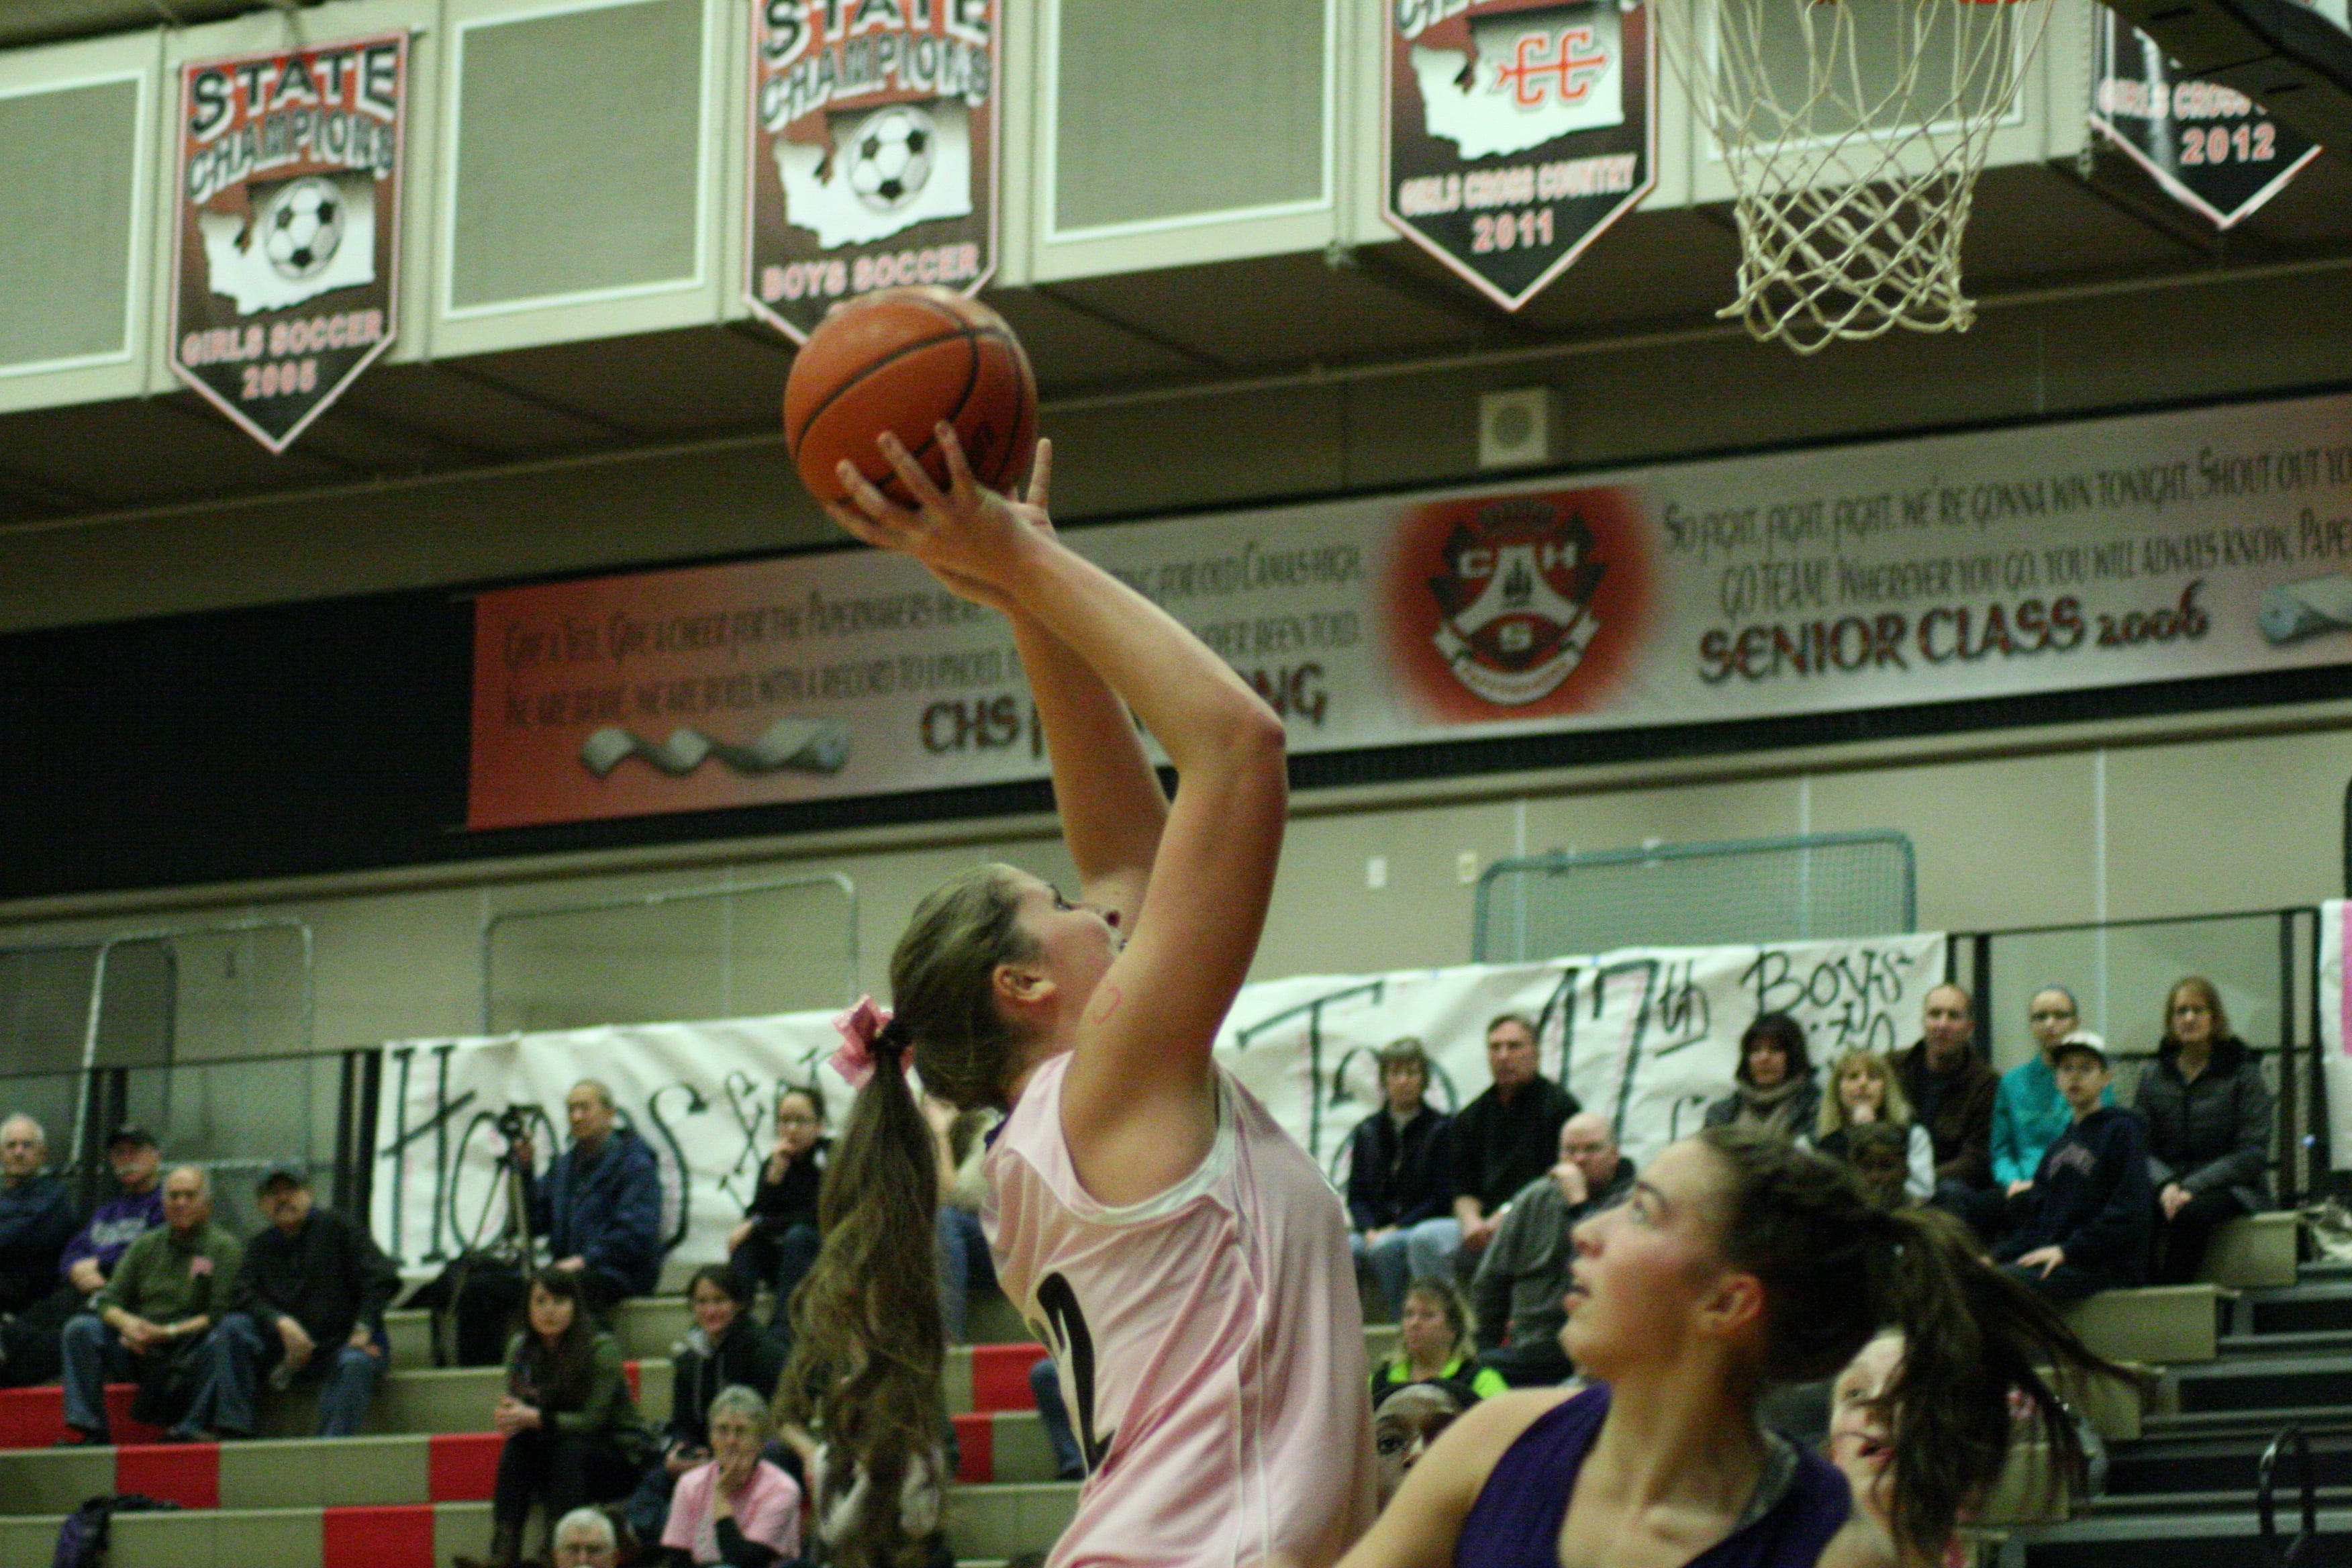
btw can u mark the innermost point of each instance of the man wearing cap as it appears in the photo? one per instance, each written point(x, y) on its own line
point(29, 1347)
point(2087, 1217)
point(167, 1291)
point(310, 1302)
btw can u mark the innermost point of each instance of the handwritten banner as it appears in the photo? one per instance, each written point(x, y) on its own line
point(1988, 564)
point(1647, 1036)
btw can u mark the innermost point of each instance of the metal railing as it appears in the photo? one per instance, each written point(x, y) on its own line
point(2265, 1498)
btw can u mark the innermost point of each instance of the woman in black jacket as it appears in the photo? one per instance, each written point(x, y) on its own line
point(2208, 1128)
point(724, 1347)
point(775, 1244)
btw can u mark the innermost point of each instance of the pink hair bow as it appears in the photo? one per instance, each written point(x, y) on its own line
point(860, 1027)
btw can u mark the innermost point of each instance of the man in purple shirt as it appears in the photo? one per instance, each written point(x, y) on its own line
point(28, 1345)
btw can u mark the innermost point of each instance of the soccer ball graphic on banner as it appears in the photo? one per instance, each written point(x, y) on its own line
point(301, 227)
point(890, 156)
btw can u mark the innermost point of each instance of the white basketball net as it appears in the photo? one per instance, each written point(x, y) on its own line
point(1853, 131)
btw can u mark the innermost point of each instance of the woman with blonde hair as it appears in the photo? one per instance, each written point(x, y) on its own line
point(1863, 1089)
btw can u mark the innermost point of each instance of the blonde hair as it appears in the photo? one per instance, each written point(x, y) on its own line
point(1893, 1106)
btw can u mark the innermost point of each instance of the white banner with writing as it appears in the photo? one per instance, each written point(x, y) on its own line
point(2336, 1030)
point(1645, 1035)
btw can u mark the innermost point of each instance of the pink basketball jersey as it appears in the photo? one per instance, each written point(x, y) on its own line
point(1210, 1341)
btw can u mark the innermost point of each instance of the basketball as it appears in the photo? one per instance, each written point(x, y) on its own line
point(904, 360)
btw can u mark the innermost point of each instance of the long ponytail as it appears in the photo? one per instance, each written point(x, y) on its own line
point(868, 1340)
point(1836, 1269)
point(1973, 1336)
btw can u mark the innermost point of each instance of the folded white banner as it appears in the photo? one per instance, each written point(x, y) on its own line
point(1645, 1035)
point(2334, 1004)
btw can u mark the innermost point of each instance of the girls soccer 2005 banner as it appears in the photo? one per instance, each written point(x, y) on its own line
point(873, 157)
point(1647, 1036)
point(1992, 565)
point(285, 285)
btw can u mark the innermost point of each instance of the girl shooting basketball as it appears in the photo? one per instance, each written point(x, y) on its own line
point(1183, 1258)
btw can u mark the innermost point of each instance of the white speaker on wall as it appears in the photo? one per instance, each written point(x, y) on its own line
point(1520, 428)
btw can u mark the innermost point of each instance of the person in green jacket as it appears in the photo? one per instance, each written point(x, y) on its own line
point(572, 1432)
point(1434, 1341)
point(162, 1299)
point(2027, 1112)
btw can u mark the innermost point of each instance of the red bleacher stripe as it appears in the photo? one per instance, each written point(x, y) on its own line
point(184, 1473)
point(976, 1448)
point(119, 1427)
point(635, 1391)
point(461, 1466)
point(1000, 1376)
point(32, 1417)
point(390, 1537)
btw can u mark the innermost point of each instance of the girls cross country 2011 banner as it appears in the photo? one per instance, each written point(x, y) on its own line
point(1983, 565)
point(1647, 1036)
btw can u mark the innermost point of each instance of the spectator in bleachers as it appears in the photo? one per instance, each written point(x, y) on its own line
point(28, 1341)
point(570, 1425)
point(1524, 1276)
point(722, 1349)
point(585, 1538)
point(599, 1206)
point(775, 1242)
point(965, 1266)
point(36, 1216)
point(2208, 1128)
point(148, 1321)
point(309, 1303)
point(2085, 1218)
point(2029, 1112)
point(1399, 1169)
point(1436, 1338)
point(1409, 1418)
point(735, 1508)
point(1501, 1141)
point(1773, 1085)
point(1864, 1091)
point(1880, 1153)
point(1054, 1413)
point(1951, 1088)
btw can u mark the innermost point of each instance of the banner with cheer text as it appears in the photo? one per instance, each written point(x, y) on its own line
point(1647, 1036)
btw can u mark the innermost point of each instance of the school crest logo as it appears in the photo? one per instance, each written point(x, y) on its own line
point(1515, 603)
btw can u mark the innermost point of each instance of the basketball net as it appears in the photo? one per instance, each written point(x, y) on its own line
point(1853, 131)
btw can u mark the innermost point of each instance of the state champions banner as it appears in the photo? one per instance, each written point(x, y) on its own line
point(873, 152)
point(1988, 564)
point(1515, 131)
point(1647, 1036)
point(286, 280)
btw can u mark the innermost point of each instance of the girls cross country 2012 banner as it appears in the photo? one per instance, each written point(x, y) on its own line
point(1982, 565)
point(1647, 1036)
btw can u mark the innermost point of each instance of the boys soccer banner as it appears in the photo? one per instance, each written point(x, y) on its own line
point(1647, 1036)
point(1516, 130)
point(874, 153)
point(1983, 566)
point(286, 276)
point(2212, 148)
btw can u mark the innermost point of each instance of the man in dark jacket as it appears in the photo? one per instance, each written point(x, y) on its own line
point(2088, 1214)
point(1523, 1277)
point(28, 1345)
point(1399, 1169)
point(310, 1301)
point(36, 1216)
point(1951, 1091)
point(1501, 1141)
point(599, 1206)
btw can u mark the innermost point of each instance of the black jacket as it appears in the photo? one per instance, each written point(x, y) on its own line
point(606, 1209)
point(330, 1277)
point(1400, 1176)
point(698, 1369)
point(2092, 1198)
point(1500, 1148)
point(791, 1199)
point(2214, 1132)
point(1961, 1127)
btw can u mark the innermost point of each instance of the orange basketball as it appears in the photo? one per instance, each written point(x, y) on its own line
point(904, 360)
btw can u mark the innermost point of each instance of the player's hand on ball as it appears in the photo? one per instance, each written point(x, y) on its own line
point(968, 536)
